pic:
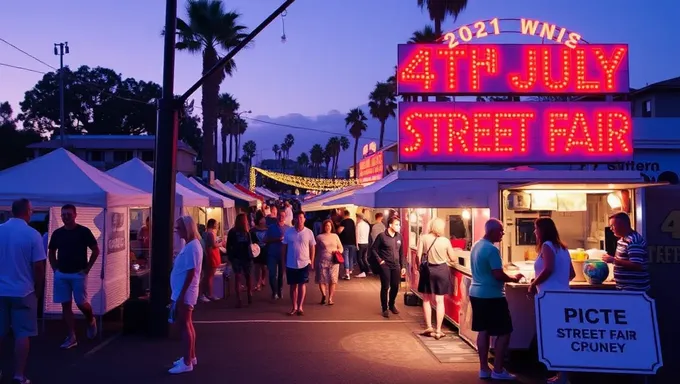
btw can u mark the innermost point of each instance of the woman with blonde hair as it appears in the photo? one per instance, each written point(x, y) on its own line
point(435, 255)
point(327, 267)
point(184, 283)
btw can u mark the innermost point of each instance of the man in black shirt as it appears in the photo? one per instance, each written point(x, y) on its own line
point(347, 232)
point(388, 252)
point(68, 259)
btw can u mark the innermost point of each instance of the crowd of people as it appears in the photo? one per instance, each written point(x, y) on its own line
point(279, 242)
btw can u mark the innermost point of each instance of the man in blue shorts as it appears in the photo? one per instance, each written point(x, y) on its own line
point(297, 252)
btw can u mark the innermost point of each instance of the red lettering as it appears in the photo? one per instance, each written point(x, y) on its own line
point(482, 57)
point(529, 81)
point(418, 69)
point(564, 69)
point(583, 84)
point(515, 132)
point(610, 65)
point(452, 57)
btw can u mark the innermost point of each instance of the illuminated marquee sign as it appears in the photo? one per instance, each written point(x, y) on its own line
point(533, 69)
point(371, 168)
point(515, 132)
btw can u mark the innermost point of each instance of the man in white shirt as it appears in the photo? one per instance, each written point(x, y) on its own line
point(289, 213)
point(22, 257)
point(298, 257)
point(363, 232)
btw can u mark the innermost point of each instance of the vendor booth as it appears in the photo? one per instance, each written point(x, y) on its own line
point(221, 208)
point(578, 201)
point(102, 203)
point(229, 190)
point(316, 203)
point(266, 193)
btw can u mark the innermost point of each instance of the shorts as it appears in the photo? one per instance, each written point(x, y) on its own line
point(241, 266)
point(491, 315)
point(20, 314)
point(70, 286)
point(297, 276)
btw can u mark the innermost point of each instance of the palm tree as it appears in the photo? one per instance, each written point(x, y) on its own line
point(344, 145)
point(277, 151)
point(382, 105)
point(289, 140)
point(356, 121)
point(227, 107)
point(284, 156)
point(327, 158)
point(239, 127)
point(439, 10)
point(209, 30)
point(249, 149)
point(303, 162)
point(316, 155)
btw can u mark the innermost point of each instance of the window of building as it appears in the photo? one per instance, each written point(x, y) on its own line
point(122, 156)
point(147, 156)
point(96, 156)
point(647, 108)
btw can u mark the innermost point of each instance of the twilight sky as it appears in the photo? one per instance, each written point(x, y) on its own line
point(335, 52)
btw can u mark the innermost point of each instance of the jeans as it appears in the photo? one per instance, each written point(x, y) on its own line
point(389, 281)
point(362, 258)
point(349, 253)
point(275, 266)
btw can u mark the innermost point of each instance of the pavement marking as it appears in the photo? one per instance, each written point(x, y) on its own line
point(254, 321)
point(102, 345)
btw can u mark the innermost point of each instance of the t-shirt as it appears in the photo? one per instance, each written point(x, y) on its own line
point(348, 236)
point(20, 247)
point(238, 244)
point(275, 232)
point(484, 258)
point(632, 248)
point(71, 246)
point(190, 257)
point(363, 230)
point(297, 255)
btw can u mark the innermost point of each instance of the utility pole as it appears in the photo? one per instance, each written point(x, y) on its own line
point(163, 202)
point(61, 49)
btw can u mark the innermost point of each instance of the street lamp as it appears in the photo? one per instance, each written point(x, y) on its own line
point(238, 142)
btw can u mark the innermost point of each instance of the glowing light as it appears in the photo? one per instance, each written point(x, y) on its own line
point(478, 30)
point(614, 200)
point(309, 183)
point(470, 69)
point(466, 214)
point(371, 168)
point(514, 132)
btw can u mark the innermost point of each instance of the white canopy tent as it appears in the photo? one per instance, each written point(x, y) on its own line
point(138, 174)
point(102, 204)
point(215, 199)
point(317, 203)
point(231, 190)
point(266, 193)
point(59, 178)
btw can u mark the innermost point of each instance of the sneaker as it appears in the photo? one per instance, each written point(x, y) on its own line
point(346, 277)
point(92, 330)
point(385, 314)
point(194, 361)
point(181, 368)
point(203, 299)
point(505, 375)
point(362, 274)
point(484, 375)
point(69, 343)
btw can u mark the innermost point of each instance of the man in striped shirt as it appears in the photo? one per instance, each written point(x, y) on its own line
point(631, 260)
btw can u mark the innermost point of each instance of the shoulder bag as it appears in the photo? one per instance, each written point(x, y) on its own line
point(254, 249)
point(424, 258)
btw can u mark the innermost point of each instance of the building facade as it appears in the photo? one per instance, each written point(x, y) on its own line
point(109, 151)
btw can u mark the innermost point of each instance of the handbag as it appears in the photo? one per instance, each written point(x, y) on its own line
point(337, 257)
point(424, 258)
point(254, 249)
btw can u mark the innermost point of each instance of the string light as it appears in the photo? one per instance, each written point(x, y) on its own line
point(309, 183)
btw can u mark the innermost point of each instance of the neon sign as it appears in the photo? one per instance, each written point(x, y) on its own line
point(511, 68)
point(492, 27)
point(520, 132)
point(371, 168)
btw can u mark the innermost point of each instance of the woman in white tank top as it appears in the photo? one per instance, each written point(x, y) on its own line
point(553, 266)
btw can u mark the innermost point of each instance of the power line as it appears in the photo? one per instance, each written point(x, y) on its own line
point(310, 129)
point(21, 68)
point(26, 53)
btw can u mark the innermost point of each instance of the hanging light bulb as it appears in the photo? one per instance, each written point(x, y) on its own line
point(283, 26)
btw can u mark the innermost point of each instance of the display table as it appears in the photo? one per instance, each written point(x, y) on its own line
point(140, 282)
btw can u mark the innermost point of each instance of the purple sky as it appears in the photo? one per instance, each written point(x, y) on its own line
point(336, 50)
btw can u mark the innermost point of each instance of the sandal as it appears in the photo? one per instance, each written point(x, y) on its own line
point(439, 335)
point(300, 312)
point(331, 302)
point(428, 332)
point(292, 312)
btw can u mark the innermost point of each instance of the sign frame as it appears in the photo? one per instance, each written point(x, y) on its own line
point(624, 369)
